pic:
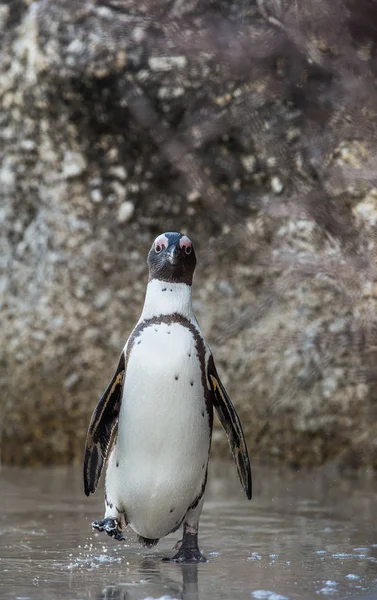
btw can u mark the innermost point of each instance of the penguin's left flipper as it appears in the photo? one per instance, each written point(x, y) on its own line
point(230, 421)
point(101, 427)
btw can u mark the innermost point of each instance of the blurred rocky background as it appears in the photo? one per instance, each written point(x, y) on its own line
point(250, 125)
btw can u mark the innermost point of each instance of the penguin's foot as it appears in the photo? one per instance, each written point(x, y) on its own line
point(188, 548)
point(190, 555)
point(110, 526)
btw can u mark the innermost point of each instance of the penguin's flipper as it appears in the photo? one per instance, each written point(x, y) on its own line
point(101, 427)
point(230, 421)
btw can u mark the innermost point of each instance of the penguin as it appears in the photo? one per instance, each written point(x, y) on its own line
point(154, 422)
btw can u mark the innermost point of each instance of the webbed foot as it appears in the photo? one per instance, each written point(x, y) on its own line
point(110, 526)
point(188, 547)
point(190, 555)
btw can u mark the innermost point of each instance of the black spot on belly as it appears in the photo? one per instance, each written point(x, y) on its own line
point(168, 332)
point(156, 329)
point(176, 377)
point(203, 465)
point(172, 510)
point(117, 463)
point(189, 354)
point(202, 413)
point(139, 342)
point(191, 383)
point(163, 290)
point(170, 290)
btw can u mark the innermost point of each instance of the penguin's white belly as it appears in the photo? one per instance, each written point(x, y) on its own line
point(163, 432)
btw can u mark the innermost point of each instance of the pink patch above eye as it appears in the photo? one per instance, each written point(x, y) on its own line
point(161, 241)
point(185, 242)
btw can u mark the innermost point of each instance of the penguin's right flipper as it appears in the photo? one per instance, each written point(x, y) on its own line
point(101, 427)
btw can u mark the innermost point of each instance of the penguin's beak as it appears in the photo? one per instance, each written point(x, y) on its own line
point(173, 255)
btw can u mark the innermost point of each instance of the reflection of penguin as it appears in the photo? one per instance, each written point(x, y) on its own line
point(156, 586)
point(162, 397)
point(190, 582)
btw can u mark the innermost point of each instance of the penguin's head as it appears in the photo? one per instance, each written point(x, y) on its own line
point(172, 258)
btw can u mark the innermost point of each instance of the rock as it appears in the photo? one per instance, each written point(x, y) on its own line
point(74, 164)
point(225, 288)
point(119, 172)
point(249, 162)
point(96, 195)
point(102, 298)
point(125, 211)
point(71, 381)
point(167, 63)
point(277, 185)
point(120, 120)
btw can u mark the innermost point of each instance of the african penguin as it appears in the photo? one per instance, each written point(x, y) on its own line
point(161, 399)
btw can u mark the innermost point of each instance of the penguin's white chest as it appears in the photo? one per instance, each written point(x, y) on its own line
point(158, 465)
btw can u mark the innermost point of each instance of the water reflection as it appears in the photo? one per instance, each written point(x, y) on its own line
point(305, 536)
point(156, 584)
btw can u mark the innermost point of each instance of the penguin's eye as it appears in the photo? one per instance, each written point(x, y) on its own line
point(161, 243)
point(185, 243)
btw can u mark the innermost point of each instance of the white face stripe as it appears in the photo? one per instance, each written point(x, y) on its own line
point(185, 242)
point(162, 241)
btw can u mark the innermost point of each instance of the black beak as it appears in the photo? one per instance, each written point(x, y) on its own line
point(173, 255)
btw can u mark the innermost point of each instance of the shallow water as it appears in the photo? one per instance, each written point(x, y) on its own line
point(304, 535)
